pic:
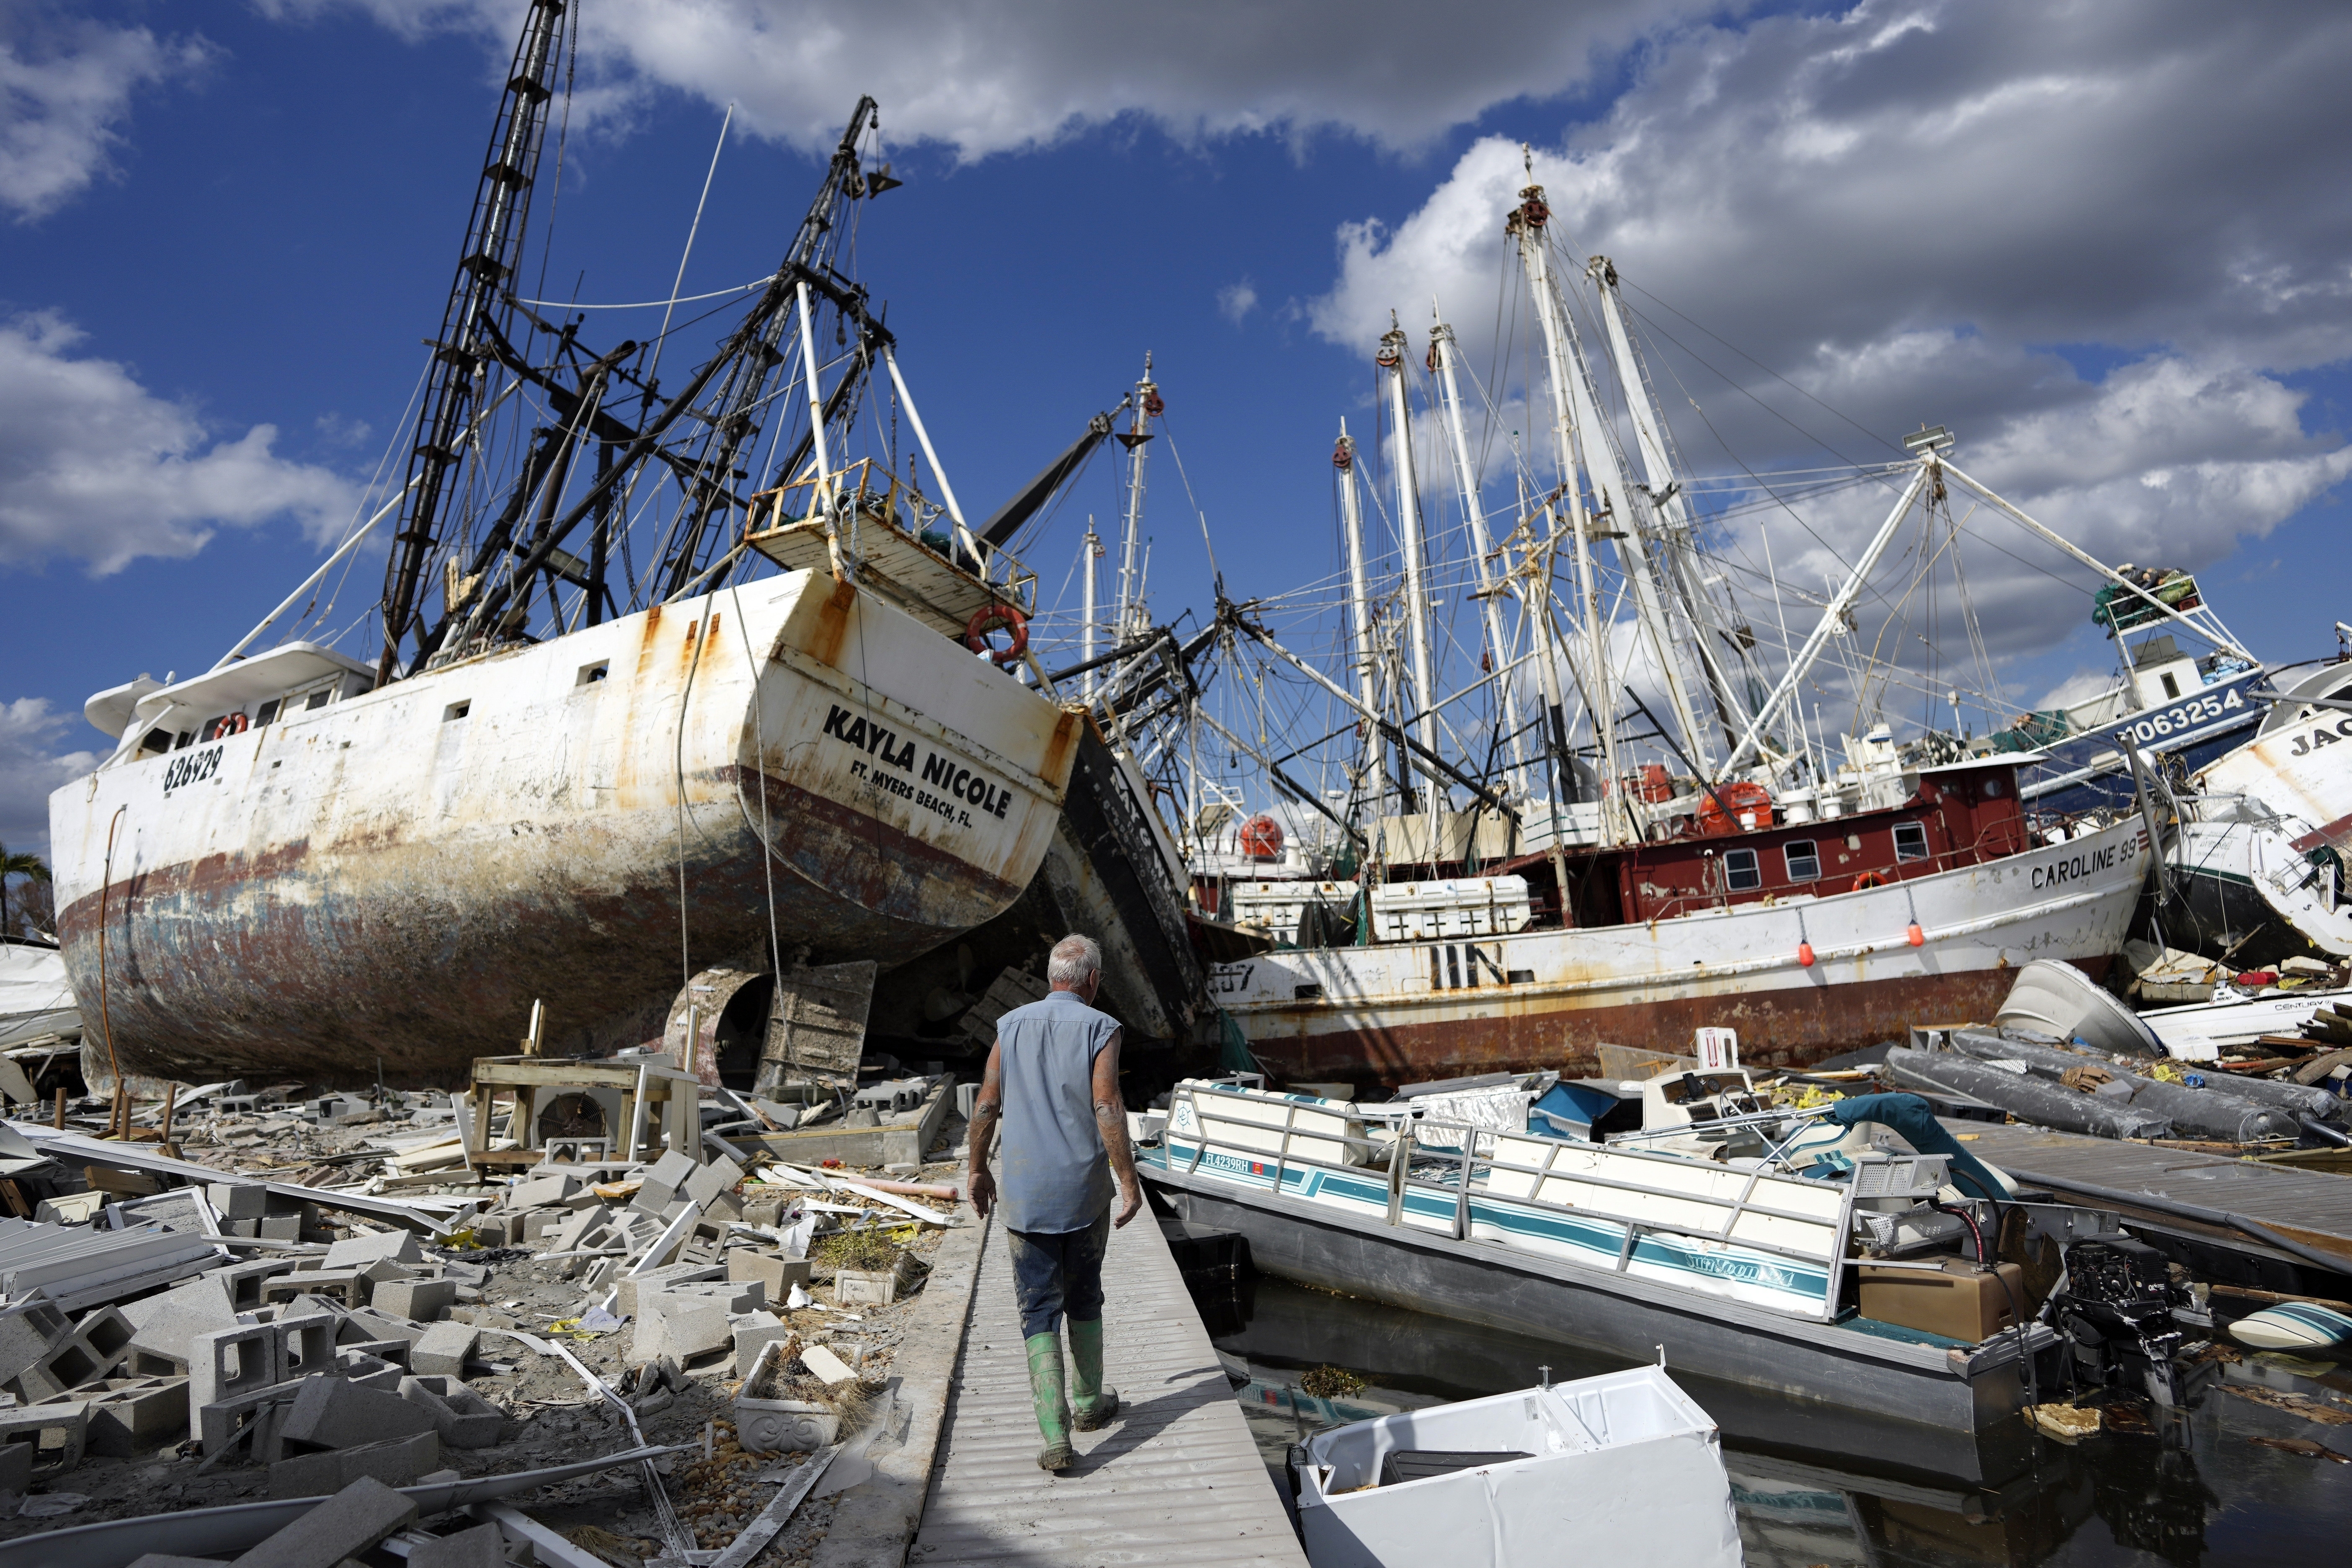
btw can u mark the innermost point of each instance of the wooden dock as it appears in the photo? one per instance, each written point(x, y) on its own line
point(1176, 1478)
point(2312, 1208)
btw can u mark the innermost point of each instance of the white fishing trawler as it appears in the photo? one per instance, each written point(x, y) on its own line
point(702, 684)
point(1544, 859)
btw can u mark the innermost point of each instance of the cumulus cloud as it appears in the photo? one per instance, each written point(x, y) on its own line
point(992, 76)
point(63, 98)
point(1235, 300)
point(1913, 211)
point(30, 767)
point(95, 467)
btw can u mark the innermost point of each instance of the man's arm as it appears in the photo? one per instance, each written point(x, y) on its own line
point(1110, 1117)
point(986, 1108)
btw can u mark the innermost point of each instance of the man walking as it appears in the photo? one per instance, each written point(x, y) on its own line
point(1053, 1080)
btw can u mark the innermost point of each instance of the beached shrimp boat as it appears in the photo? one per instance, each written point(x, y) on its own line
point(571, 779)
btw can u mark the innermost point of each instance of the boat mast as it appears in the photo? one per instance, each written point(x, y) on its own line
point(1664, 496)
point(1443, 351)
point(1132, 620)
point(1090, 551)
point(1525, 226)
point(480, 303)
point(1416, 593)
point(1631, 534)
point(1351, 519)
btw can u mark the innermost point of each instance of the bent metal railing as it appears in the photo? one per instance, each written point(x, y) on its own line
point(1296, 1135)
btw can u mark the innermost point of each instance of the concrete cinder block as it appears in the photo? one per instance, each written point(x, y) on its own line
point(16, 1468)
point(706, 1182)
point(444, 1350)
point(137, 1415)
point(534, 1191)
point(421, 1300)
point(371, 1324)
point(480, 1547)
point(777, 1273)
point(753, 1332)
point(93, 1349)
point(281, 1228)
point(347, 1287)
point(329, 1413)
point(537, 1225)
point(360, 1517)
point(472, 1274)
point(735, 1295)
point(243, 1281)
point(634, 1288)
point(361, 1370)
point(671, 1169)
point(28, 1426)
point(397, 1463)
point(162, 1326)
point(463, 1417)
point(224, 1363)
point(359, 1251)
point(238, 1200)
point(27, 1331)
point(679, 1326)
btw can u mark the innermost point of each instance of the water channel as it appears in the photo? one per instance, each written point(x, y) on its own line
point(1833, 1490)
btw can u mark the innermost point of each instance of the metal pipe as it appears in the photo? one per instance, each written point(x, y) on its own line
point(923, 439)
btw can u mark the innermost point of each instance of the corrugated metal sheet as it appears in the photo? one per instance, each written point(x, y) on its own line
point(1176, 1478)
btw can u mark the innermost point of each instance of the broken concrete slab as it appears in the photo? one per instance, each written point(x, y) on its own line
point(633, 1288)
point(463, 1417)
point(534, 1191)
point(360, 1517)
point(163, 1326)
point(330, 1413)
point(828, 1367)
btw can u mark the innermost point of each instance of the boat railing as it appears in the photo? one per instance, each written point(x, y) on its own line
point(1645, 1192)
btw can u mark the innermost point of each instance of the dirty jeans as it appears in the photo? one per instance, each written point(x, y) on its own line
point(1058, 1273)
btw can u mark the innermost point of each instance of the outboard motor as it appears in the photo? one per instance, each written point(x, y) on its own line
point(2117, 1314)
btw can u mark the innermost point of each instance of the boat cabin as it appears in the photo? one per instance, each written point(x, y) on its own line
point(246, 695)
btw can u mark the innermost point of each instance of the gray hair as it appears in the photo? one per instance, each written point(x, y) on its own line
point(1075, 960)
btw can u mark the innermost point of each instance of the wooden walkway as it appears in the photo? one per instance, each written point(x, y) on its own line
point(2313, 1207)
point(1175, 1478)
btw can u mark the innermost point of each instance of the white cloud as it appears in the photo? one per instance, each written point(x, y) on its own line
point(30, 768)
point(1904, 209)
point(992, 76)
point(62, 100)
point(95, 467)
point(1236, 300)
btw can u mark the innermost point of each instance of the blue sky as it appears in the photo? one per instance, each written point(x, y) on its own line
point(226, 218)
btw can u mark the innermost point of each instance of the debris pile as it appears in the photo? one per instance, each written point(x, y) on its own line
point(406, 1305)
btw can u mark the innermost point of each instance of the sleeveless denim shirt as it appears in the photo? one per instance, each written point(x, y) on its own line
point(1053, 1176)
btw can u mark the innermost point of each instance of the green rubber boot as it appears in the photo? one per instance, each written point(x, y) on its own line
point(1052, 1412)
point(1092, 1403)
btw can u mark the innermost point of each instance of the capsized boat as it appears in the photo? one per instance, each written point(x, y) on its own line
point(1622, 1467)
point(597, 749)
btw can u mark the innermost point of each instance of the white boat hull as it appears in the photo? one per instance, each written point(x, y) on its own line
point(398, 876)
point(1550, 998)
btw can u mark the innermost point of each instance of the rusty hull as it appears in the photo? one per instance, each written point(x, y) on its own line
point(398, 875)
point(1406, 1011)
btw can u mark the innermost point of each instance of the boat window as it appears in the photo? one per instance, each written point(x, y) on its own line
point(1804, 860)
point(2171, 687)
point(1741, 874)
point(594, 672)
point(457, 711)
point(156, 741)
point(1910, 841)
point(264, 714)
point(317, 700)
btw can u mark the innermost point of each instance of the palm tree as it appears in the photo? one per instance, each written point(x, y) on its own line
point(23, 864)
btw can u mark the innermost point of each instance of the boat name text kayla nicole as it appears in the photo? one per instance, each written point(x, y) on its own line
point(944, 772)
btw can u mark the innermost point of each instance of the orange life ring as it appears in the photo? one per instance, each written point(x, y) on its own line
point(986, 620)
point(1870, 879)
